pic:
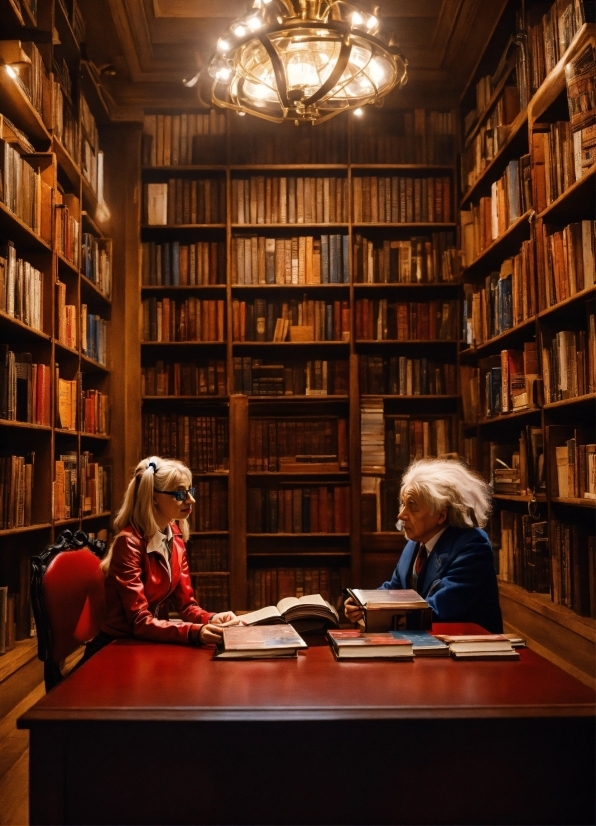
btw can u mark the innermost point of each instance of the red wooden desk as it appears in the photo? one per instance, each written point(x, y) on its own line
point(148, 733)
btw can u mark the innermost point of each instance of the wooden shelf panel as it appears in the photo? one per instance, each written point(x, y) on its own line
point(15, 104)
point(22, 235)
point(579, 400)
point(508, 243)
point(26, 529)
point(423, 285)
point(575, 203)
point(508, 417)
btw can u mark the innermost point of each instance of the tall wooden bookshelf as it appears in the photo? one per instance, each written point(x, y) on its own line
point(56, 321)
point(529, 300)
point(294, 398)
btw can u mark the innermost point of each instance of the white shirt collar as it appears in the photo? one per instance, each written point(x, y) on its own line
point(433, 540)
point(155, 543)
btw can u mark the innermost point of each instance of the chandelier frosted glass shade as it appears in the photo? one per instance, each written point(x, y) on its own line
point(303, 68)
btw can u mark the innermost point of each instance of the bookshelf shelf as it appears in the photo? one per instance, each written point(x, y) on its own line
point(294, 399)
point(496, 94)
point(94, 93)
point(393, 342)
point(100, 436)
point(269, 345)
point(564, 403)
point(91, 292)
point(90, 365)
point(87, 517)
point(19, 330)
point(518, 497)
point(183, 343)
point(498, 341)
point(427, 225)
point(18, 231)
point(574, 502)
point(172, 171)
point(199, 398)
point(292, 167)
point(293, 227)
point(63, 431)
point(68, 41)
point(27, 529)
point(15, 104)
point(27, 425)
point(66, 264)
point(175, 227)
point(420, 397)
point(564, 305)
point(417, 167)
point(575, 203)
point(278, 474)
point(158, 289)
point(506, 243)
point(277, 287)
point(508, 417)
point(361, 286)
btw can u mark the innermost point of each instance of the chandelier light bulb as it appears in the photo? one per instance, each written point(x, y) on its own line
point(358, 112)
point(281, 65)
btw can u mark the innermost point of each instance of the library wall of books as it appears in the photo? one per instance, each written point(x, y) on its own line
point(314, 308)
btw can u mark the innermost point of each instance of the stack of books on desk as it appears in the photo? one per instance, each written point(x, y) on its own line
point(481, 647)
point(357, 645)
point(258, 642)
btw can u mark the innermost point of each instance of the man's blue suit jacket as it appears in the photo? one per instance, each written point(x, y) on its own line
point(458, 581)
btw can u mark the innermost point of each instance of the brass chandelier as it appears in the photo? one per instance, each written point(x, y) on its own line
point(303, 61)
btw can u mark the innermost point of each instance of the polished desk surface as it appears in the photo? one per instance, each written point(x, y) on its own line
point(138, 681)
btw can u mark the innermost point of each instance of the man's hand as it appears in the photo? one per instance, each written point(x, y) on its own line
point(352, 611)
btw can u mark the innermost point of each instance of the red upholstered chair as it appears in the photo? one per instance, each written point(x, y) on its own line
point(68, 598)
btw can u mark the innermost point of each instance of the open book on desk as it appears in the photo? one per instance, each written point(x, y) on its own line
point(307, 614)
point(392, 610)
point(249, 642)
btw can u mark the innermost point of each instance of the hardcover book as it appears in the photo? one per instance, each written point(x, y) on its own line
point(423, 643)
point(258, 642)
point(387, 610)
point(357, 645)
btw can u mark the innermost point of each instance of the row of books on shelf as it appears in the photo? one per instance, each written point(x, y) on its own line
point(486, 221)
point(416, 260)
point(201, 442)
point(208, 553)
point(372, 441)
point(403, 376)
point(291, 509)
point(66, 317)
point(67, 228)
point(266, 199)
point(504, 383)
point(299, 260)
point(290, 445)
point(311, 377)
point(7, 620)
point(502, 300)
point(398, 199)
point(284, 144)
point(569, 363)
point(192, 319)
point(494, 131)
point(408, 439)
point(186, 378)
point(268, 586)
point(212, 592)
point(417, 136)
point(92, 158)
point(80, 488)
point(16, 490)
point(555, 557)
point(210, 511)
point(25, 388)
point(549, 35)
point(178, 265)
point(378, 504)
point(294, 320)
point(556, 161)
point(183, 139)
point(96, 262)
point(65, 126)
point(32, 77)
point(565, 258)
point(23, 190)
point(380, 320)
point(185, 201)
point(21, 288)
point(94, 336)
point(92, 410)
point(573, 462)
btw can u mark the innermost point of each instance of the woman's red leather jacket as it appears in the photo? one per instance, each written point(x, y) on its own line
point(138, 586)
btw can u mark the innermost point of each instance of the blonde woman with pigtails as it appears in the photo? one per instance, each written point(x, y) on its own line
point(146, 566)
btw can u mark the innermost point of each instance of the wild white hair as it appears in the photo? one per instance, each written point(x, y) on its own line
point(137, 509)
point(447, 483)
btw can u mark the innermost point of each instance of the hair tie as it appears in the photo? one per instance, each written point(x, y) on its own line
point(153, 465)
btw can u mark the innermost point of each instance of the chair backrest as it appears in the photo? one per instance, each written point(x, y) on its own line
point(68, 598)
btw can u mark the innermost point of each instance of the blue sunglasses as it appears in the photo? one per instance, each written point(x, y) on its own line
point(179, 495)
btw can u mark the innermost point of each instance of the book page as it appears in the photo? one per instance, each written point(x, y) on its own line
point(268, 612)
point(285, 603)
point(383, 598)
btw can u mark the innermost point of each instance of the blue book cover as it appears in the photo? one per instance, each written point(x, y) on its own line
point(505, 308)
point(324, 259)
point(333, 259)
point(175, 274)
point(423, 643)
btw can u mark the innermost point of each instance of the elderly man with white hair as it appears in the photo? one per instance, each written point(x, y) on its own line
point(448, 558)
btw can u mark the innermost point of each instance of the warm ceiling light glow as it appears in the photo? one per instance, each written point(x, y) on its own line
point(11, 71)
point(358, 112)
point(223, 46)
point(306, 61)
